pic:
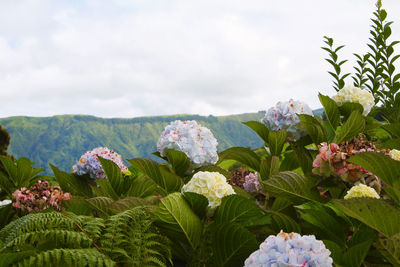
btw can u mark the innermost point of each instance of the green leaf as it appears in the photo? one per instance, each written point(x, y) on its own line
point(259, 128)
point(6, 214)
point(348, 107)
point(314, 128)
point(375, 213)
point(354, 125)
point(232, 244)
point(393, 129)
point(243, 155)
point(269, 167)
point(386, 168)
point(177, 220)
point(127, 203)
point(173, 182)
point(114, 175)
point(80, 206)
point(329, 226)
point(289, 162)
point(105, 189)
point(238, 209)
point(276, 140)
point(6, 184)
point(292, 185)
point(197, 202)
point(390, 249)
point(213, 168)
point(355, 255)
point(143, 186)
point(304, 157)
point(179, 161)
point(283, 222)
point(71, 183)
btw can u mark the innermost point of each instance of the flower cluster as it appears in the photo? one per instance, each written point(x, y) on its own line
point(332, 159)
point(284, 116)
point(5, 202)
point(290, 250)
point(361, 190)
point(394, 154)
point(252, 184)
point(212, 185)
point(39, 197)
point(90, 164)
point(355, 95)
point(197, 142)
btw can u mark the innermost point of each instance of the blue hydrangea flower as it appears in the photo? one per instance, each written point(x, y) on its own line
point(290, 250)
point(284, 116)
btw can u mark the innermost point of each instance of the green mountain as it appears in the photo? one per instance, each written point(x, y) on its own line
point(61, 140)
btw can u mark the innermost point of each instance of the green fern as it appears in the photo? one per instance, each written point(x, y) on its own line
point(65, 239)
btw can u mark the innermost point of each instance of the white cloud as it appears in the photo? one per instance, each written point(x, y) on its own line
point(135, 58)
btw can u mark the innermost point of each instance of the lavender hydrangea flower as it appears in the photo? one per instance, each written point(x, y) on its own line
point(251, 183)
point(284, 116)
point(90, 164)
point(197, 142)
point(290, 250)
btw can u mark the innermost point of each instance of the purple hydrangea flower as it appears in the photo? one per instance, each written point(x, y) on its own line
point(251, 183)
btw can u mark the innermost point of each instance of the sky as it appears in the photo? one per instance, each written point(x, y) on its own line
point(131, 58)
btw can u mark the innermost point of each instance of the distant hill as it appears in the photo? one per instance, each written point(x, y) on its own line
point(61, 140)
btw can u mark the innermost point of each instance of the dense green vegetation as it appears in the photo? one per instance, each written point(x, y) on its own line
point(61, 140)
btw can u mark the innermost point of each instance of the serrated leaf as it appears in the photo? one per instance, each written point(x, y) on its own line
point(354, 125)
point(347, 108)
point(375, 213)
point(238, 209)
point(289, 162)
point(105, 189)
point(198, 203)
point(276, 141)
point(259, 128)
point(269, 167)
point(178, 221)
point(390, 248)
point(283, 222)
point(72, 183)
point(232, 244)
point(179, 161)
point(292, 185)
point(243, 155)
point(331, 110)
point(143, 186)
point(114, 175)
point(314, 128)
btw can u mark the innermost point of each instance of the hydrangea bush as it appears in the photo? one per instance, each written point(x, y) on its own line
point(284, 116)
point(196, 141)
point(90, 164)
point(290, 249)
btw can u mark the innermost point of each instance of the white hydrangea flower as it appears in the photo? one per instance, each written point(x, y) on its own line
point(290, 250)
point(197, 142)
point(89, 163)
point(212, 185)
point(394, 154)
point(284, 116)
point(5, 202)
point(361, 190)
point(355, 95)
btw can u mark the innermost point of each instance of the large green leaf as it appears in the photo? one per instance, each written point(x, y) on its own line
point(276, 141)
point(6, 214)
point(281, 221)
point(393, 129)
point(179, 161)
point(126, 204)
point(375, 213)
point(20, 171)
point(354, 125)
point(269, 167)
point(232, 244)
point(238, 209)
point(329, 226)
point(331, 110)
point(390, 248)
point(292, 185)
point(144, 186)
point(6, 184)
point(105, 189)
point(314, 127)
point(259, 128)
point(379, 164)
point(177, 220)
point(72, 183)
point(289, 162)
point(304, 157)
point(355, 255)
point(197, 202)
point(243, 155)
point(114, 175)
point(347, 108)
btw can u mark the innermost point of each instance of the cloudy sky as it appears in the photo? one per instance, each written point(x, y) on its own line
point(129, 58)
